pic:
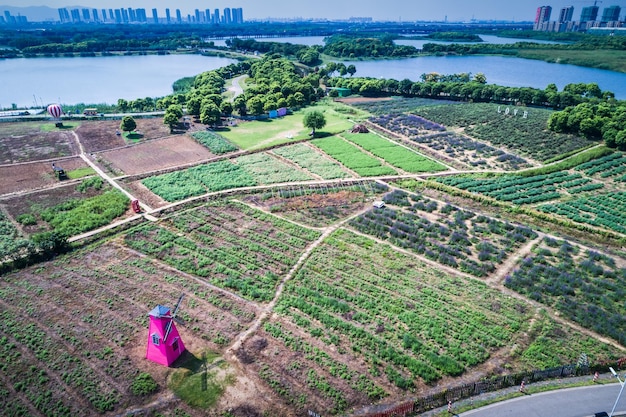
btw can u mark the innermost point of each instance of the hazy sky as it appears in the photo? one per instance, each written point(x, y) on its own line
point(404, 10)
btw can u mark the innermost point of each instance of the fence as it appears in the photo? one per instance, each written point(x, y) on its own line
point(441, 399)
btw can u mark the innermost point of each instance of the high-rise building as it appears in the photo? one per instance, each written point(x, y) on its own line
point(197, 16)
point(86, 15)
point(238, 15)
point(566, 14)
point(542, 16)
point(75, 15)
point(94, 12)
point(589, 14)
point(119, 18)
point(216, 16)
point(104, 15)
point(168, 17)
point(179, 18)
point(64, 15)
point(227, 16)
point(155, 16)
point(611, 14)
point(207, 15)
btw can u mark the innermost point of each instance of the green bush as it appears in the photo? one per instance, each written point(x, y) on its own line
point(27, 219)
point(143, 384)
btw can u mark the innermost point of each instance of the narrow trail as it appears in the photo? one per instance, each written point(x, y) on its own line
point(268, 310)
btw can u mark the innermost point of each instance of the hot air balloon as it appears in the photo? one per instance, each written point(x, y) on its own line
point(55, 111)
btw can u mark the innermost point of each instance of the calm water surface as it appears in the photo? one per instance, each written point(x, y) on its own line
point(40, 81)
point(30, 81)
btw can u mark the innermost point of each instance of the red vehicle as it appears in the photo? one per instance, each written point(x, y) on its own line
point(135, 205)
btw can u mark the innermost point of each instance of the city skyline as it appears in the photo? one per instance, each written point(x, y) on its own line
point(393, 10)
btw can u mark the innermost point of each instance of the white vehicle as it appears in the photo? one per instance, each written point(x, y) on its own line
point(379, 204)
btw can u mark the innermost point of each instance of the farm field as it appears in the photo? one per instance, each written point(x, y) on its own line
point(510, 131)
point(35, 175)
point(300, 296)
point(33, 141)
point(154, 155)
point(100, 135)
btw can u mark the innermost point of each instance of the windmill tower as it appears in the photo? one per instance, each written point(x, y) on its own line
point(164, 342)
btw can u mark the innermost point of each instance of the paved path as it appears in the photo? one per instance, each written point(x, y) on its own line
point(572, 402)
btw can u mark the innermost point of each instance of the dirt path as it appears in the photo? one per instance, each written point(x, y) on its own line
point(267, 311)
point(497, 278)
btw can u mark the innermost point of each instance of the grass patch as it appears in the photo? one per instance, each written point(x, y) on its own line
point(196, 385)
point(51, 127)
point(80, 173)
point(260, 134)
point(568, 163)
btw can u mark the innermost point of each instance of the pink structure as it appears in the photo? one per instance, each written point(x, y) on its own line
point(164, 342)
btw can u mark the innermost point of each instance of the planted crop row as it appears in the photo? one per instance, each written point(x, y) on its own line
point(528, 135)
point(459, 238)
point(607, 166)
point(81, 215)
point(398, 104)
point(588, 288)
point(305, 157)
point(394, 154)
point(195, 181)
point(407, 321)
point(234, 246)
point(458, 147)
point(266, 169)
point(216, 143)
point(352, 157)
point(12, 244)
point(523, 190)
point(606, 210)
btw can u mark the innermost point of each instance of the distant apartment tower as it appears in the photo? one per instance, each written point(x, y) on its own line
point(566, 14)
point(227, 16)
point(168, 17)
point(104, 15)
point(611, 14)
point(179, 18)
point(542, 17)
point(589, 14)
point(86, 15)
point(64, 15)
point(155, 16)
point(75, 15)
point(238, 15)
point(216, 16)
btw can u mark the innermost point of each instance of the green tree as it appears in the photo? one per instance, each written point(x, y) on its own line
point(210, 114)
point(122, 105)
point(128, 124)
point(172, 116)
point(314, 120)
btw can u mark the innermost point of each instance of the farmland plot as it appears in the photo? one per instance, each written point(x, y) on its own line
point(602, 210)
point(518, 189)
point(394, 104)
point(448, 235)
point(248, 170)
point(352, 157)
point(586, 286)
point(318, 206)
point(75, 329)
point(456, 146)
point(312, 161)
point(231, 245)
point(361, 321)
point(529, 136)
point(32, 141)
point(394, 154)
point(609, 167)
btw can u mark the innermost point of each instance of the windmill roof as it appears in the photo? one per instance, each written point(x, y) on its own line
point(159, 311)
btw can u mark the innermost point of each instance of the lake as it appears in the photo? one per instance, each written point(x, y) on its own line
point(94, 80)
point(40, 81)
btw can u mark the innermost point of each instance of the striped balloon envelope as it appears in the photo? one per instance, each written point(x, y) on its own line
point(55, 110)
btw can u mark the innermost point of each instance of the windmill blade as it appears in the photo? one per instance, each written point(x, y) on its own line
point(180, 300)
point(168, 328)
point(172, 317)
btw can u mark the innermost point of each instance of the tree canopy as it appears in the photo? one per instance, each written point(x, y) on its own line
point(314, 120)
point(128, 124)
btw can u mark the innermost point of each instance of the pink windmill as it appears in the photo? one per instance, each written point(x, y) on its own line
point(164, 342)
